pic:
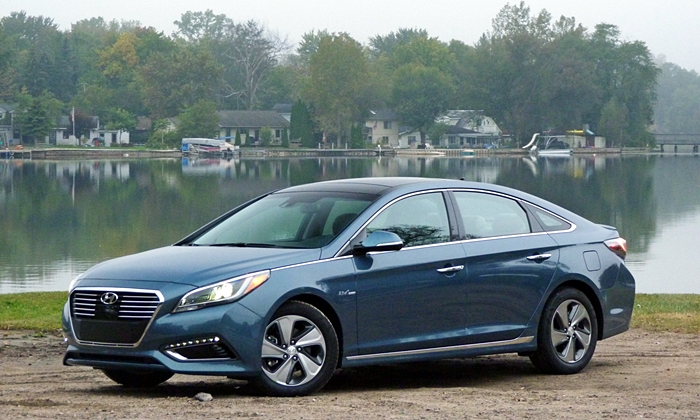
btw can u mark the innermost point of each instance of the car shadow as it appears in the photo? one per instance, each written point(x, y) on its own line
point(483, 371)
point(471, 372)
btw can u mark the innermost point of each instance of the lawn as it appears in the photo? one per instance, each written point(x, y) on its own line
point(41, 311)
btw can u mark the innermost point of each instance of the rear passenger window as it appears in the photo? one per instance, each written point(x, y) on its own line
point(550, 222)
point(486, 215)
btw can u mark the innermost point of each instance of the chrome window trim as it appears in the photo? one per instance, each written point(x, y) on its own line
point(519, 340)
point(158, 293)
point(384, 207)
point(520, 200)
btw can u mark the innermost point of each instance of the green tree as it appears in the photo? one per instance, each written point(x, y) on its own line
point(436, 131)
point(83, 123)
point(266, 136)
point(120, 119)
point(199, 120)
point(357, 138)
point(35, 115)
point(285, 138)
point(194, 27)
point(420, 94)
point(337, 89)
point(172, 81)
point(160, 128)
point(386, 44)
point(308, 46)
point(301, 125)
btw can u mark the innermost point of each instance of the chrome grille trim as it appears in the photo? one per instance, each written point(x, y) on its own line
point(133, 303)
point(146, 308)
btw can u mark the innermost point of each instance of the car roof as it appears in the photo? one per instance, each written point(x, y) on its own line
point(380, 186)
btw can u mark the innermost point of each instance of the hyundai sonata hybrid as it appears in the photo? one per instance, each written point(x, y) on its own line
point(290, 286)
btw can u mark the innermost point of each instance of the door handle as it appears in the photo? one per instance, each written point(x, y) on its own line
point(453, 269)
point(539, 257)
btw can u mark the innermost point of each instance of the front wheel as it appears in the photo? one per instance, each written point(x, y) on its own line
point(137, 379)
point(567, 333)
point(299, 351)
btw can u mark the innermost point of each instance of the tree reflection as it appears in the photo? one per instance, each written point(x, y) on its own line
point(413, 235)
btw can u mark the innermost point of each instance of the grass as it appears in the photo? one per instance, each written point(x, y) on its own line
point(41, 311)
point(662, 312)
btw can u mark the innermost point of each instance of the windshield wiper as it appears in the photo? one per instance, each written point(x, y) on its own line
point(245, 245)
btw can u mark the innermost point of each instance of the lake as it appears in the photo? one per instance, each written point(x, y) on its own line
point(57, 218)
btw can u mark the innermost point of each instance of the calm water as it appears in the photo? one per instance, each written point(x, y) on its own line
point(59, 218)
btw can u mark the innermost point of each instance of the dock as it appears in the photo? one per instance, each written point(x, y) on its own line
point(15, 154)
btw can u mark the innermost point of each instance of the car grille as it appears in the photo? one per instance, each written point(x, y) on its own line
point(116, 317)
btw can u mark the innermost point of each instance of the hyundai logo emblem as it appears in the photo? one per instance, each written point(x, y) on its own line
point(109, 298)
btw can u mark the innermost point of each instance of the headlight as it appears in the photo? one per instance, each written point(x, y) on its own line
point(225, 291)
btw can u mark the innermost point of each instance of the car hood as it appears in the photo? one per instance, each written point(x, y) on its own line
point(196, 265)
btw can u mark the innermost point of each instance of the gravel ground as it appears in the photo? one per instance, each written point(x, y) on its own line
point(635, 375)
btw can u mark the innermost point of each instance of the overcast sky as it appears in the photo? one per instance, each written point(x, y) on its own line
point(668, 27)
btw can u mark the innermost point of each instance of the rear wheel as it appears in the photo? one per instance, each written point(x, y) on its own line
point(137, 379)
point(567, 334)
point(299, 351)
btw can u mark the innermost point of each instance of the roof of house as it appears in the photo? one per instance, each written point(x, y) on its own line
point(251, 119)
point(453, 129)
point(283, 108)
point(382, 115)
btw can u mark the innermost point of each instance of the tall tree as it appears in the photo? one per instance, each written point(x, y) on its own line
point(173, 81)
point(251, 52)
point(420, 94)
point(338, 72)
point(195, 27)
point(301, 126)
point(387, 44)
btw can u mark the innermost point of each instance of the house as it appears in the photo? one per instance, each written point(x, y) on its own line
point(409, 137)
point(285, 110)
point(382, 127)
point(249, 123)
point(468, 128)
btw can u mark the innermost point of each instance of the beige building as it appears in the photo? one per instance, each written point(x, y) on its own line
point(382, 128)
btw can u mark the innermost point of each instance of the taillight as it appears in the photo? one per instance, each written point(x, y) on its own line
point(618, 246)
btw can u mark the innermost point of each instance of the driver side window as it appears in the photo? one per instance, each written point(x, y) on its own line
point(417, 220)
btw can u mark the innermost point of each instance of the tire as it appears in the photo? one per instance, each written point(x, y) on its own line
point(567, 333)
point(138, 379)
point(299, 352)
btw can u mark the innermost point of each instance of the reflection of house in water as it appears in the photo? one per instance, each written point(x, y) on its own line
point(94, 170)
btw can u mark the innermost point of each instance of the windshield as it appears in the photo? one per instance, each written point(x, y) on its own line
point(288, 220)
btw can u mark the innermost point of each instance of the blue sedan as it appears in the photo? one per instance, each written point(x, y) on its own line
point(285, 289)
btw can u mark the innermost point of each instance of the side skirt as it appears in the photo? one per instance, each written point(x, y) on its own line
point(370, 358)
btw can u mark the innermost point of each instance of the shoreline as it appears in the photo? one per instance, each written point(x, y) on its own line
point(49, 153)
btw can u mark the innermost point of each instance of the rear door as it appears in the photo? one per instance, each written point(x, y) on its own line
point(510, 265)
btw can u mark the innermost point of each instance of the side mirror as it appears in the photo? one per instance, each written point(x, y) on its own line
point(378, 241)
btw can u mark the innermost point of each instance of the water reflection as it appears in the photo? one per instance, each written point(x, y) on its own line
point(59, 217)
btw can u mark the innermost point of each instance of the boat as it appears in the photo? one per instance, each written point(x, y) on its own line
point(207, 147)
point(467, 152)
point(551, 146)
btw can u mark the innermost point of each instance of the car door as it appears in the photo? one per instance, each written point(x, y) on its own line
point(412, 298)
point(510, 265)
